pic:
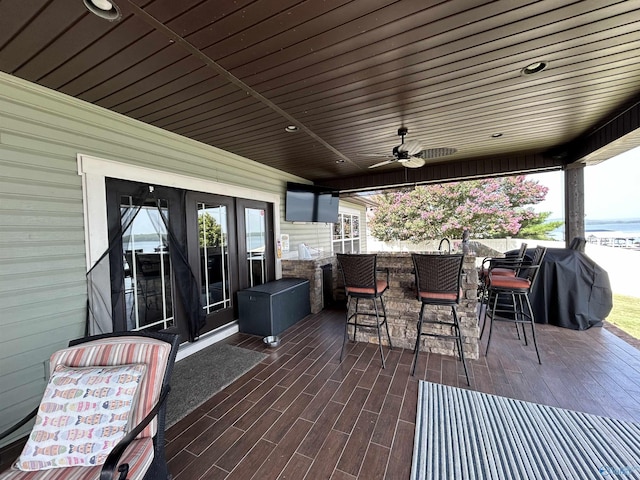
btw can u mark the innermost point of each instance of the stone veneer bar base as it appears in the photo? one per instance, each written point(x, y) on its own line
point(403, 309)
point(401, 303)
point(312, 271)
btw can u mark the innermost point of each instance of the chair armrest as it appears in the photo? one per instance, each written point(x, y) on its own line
point(109, 468)
point(487, 261)
point(502, 263)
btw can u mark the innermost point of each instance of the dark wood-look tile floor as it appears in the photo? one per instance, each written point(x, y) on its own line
point(303, 414)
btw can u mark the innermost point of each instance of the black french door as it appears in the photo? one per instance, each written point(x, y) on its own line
point(178, 258)
point(212, 244)
point(143, 273)
point(255, 243)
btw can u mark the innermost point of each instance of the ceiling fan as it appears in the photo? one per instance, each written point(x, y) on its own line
point(411, 154)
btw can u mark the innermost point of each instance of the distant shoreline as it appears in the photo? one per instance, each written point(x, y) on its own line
point(627, 228)
point(596, 221)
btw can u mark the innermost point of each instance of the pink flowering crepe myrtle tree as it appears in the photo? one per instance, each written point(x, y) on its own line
point(490, 208)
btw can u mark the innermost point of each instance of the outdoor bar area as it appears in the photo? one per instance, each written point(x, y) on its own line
point(401, 304)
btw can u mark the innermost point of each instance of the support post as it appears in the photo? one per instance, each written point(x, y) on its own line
point(573, 202)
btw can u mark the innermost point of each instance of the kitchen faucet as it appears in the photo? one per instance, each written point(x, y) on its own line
point(448, 244)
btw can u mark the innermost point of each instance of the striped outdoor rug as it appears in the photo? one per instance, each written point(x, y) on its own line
point(461, 434)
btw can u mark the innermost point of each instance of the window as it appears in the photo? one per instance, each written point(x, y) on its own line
point(346, 233)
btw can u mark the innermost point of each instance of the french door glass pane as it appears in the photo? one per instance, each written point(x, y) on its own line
point(337, 228)
point(256, 238)
point(347, 226)
point(214, 256)
point(148, 295)
point(346, 234)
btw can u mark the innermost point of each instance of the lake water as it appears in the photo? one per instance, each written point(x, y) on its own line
point(255, 242)
point(631, 228)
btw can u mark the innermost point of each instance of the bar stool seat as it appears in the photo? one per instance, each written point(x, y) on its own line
point(506, 272)
point(359, 272)
point(381, 286)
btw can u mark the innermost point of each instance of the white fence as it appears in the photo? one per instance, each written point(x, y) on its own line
point(622, 265)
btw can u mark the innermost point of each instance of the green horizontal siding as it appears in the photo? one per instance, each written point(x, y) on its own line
point(42, 251)
point(22, 378)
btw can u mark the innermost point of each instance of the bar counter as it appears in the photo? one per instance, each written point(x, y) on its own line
point(403, 308)
point(401, 303)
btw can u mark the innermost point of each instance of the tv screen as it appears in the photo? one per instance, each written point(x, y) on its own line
point(310, 203)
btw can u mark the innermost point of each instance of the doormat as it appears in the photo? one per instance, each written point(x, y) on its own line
point(198, 377)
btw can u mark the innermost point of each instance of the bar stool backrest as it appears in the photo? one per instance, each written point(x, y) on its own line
point(438, 274)
point(358, 270)
point(538, 256)
point(522, 251)
point(519, 259)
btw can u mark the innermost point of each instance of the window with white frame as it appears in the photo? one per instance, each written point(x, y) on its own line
point(346, 233)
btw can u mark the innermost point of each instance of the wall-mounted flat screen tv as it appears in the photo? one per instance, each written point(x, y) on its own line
point(310, 203)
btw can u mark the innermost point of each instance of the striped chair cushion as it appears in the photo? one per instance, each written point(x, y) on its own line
point(139, 455)
point(512, 283)
point(380, 285)
point(122, 351)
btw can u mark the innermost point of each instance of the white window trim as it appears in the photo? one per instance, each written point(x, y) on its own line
point(352, 212)
point(94, 171)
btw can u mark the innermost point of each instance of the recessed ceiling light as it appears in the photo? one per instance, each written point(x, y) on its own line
point(104, 9)
point(103, 4)
point(496, 135)
point(534, 67)
point(291, 128)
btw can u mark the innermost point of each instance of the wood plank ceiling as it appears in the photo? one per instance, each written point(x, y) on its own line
point(348, 74)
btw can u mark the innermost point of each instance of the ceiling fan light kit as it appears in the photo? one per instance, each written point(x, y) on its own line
point(414, 162)
point(411, 154)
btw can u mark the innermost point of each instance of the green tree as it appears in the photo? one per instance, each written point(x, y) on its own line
point(209, 231)
point(489, 208)
point(539, 227)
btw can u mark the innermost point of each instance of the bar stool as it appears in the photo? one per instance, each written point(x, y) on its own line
point(509, 266)
point(517, 288)
point(359, 272)
point(438, 279)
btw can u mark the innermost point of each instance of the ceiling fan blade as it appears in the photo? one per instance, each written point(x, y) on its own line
point(412, 147)
point(377, 155)
point(435, 152)
point(414, 162)
point(386, 162)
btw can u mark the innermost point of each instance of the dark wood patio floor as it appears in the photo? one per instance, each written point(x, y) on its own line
point(302, 414)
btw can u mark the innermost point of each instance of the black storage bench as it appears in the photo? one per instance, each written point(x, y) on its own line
point(271, 308)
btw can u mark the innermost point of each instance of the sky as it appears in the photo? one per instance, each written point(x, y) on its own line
point(612, 189)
